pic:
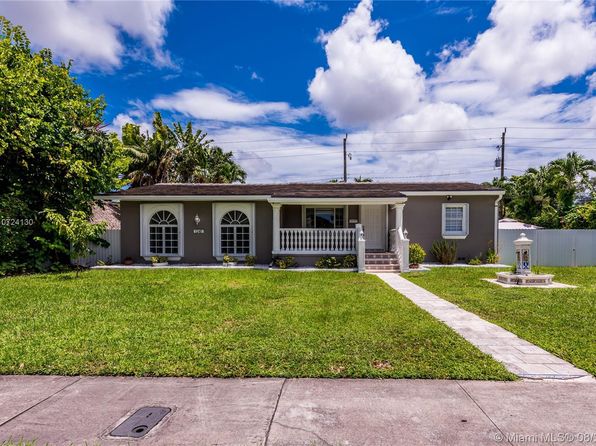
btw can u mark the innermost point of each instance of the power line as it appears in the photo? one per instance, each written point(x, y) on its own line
point(552, 128)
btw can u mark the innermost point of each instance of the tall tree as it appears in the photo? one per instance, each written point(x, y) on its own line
point(54, 154)
point(152, 156)
point(547, 195)
point(572, 178)
point(178, 155)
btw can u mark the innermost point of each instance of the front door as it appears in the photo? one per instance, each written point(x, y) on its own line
point(374, 224)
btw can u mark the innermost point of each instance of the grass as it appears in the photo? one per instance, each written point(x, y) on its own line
point(226, 323)
point(562, 321)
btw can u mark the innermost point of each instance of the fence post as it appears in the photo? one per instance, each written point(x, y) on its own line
point(360, 248)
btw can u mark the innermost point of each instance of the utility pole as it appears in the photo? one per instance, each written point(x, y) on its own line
point(503, 153)
point(345, 159)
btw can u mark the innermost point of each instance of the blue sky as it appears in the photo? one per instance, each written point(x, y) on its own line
point(423, 88)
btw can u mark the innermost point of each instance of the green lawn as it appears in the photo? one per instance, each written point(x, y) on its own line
point(562, 321)
point(227, 323)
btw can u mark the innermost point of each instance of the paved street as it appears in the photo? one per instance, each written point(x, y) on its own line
point(74, 410)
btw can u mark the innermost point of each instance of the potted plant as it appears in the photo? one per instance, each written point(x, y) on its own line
point(229, 260)
point(159, 261)
point(417, 255)
point(128, 261)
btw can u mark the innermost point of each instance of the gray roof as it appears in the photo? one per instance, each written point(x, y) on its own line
point(303, 190)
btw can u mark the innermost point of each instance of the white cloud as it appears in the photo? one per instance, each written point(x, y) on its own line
point(369, 79)
point(591, 80)
point(124, 118)
point(530, 45)
point(255, 77)
point(91, 32)
point(214, 103)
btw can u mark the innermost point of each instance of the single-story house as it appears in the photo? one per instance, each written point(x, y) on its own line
point(200, 223)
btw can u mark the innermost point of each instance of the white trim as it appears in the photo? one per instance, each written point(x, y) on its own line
point(338, 201)
point(218, 211)
point(500, 193)
point(146, 212)
point(496, 237)
point(465, 223)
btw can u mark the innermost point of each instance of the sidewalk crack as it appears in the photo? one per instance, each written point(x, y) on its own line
point(274, 411)
point(503, 436)
point(42, 401)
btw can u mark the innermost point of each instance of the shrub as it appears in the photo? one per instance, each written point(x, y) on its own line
point(445, 251)
point(328, 263)
point(229, 259)
point(159, 259)
point(491, 256)
point(286, 262)
point(250, 260)
point(350, 261)
point(417, 254)
point(475, 261)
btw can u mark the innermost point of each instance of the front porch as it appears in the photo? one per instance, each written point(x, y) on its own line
point(331, 228)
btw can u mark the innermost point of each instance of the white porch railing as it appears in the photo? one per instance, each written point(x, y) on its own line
point(317, 241)
point(399, 244)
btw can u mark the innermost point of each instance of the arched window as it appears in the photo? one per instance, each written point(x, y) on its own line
point(163, 233)
point(235, 233)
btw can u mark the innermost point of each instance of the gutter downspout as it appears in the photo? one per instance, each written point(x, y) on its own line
point(496, 237)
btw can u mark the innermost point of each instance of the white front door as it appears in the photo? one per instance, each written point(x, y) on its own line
point(374, 224)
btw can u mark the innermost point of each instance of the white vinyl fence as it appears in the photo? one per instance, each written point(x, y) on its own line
point(111, 254)
point(552, 247)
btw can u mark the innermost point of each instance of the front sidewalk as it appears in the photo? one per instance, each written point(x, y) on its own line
point(270, 411)
point(519, 356)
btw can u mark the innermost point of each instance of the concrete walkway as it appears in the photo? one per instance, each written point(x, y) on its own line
point(83, 410)
point(519, 356)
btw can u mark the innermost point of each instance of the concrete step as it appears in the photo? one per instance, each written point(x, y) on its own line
point(384, 255)
point(381, 261)
point(381, 268)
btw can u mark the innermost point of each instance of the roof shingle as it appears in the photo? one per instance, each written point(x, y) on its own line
point(303, 190)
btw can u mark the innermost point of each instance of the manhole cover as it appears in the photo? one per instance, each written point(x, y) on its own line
point(140, 422)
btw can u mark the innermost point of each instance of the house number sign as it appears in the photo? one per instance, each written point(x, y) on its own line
point(198, 231)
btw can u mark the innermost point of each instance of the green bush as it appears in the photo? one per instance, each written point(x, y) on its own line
point(328, 263)
point(417, 254)
point(475, 261)
point(445, 251)
point(491, 256)
point(250, 260)
point(350, 261)
point(285, 262)
point(229, 259)
point(159, 259)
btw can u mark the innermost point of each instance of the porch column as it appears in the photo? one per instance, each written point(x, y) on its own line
point(399, 215)
point(276, 225)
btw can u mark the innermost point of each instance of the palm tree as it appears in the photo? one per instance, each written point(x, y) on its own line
point(152, 155)
point(573, 177)
point(221, 167)
point(177, 155)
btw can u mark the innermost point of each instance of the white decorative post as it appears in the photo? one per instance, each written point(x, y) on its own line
point(360, 247)
point(399, 215)
point(522, 254)
point(276, 226)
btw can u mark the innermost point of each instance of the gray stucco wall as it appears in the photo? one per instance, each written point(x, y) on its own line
point(423, 220)
point(198, 248)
